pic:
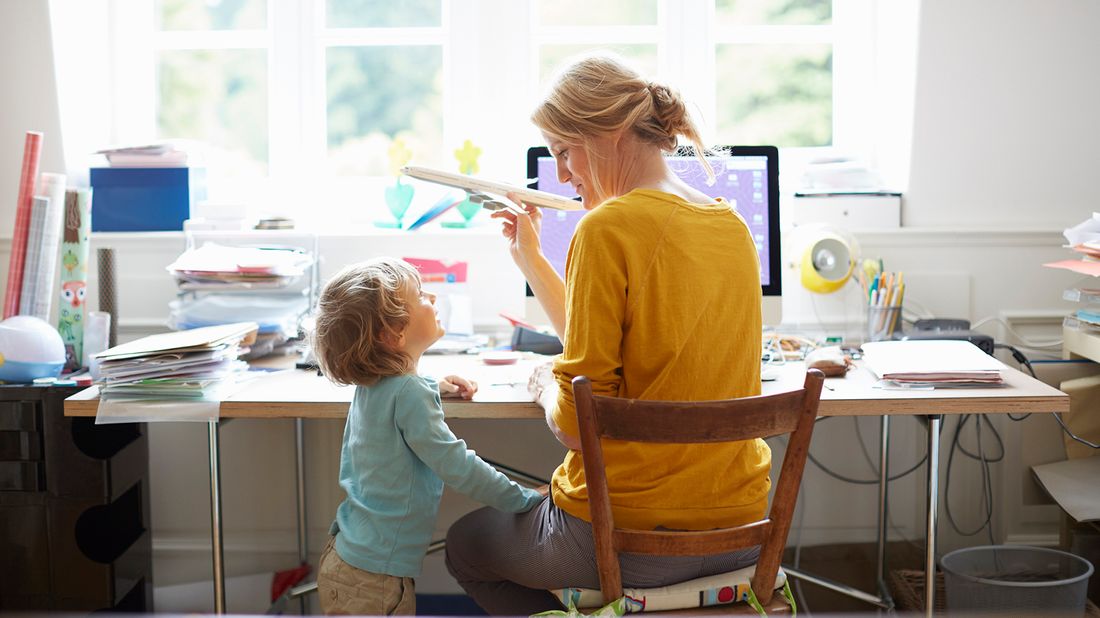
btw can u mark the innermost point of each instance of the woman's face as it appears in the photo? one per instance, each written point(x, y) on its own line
point(572, 162)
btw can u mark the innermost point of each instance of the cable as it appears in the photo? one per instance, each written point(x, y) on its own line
point(1058, 417)
point(1027, 344)
point(1023, 360)
point(1000, 444)
point(987, 486)
point(910, 307)
point(875, 470)
point(848, 479)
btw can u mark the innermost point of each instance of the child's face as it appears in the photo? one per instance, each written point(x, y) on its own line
point(424, 328)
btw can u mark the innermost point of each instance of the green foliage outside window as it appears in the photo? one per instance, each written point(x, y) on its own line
point(219, 97)
point(378, 93)
point(211, 14)
point(382, 13)
point(775, 94)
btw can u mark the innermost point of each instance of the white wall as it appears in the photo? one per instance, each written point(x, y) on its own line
point(28, 100)
point(1006, 127)
point(1005, 133)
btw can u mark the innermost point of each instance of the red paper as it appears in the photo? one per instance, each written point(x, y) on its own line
point(32, 148)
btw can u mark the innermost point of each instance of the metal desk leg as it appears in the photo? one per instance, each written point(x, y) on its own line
point(883, 521)
point(934, 423)
point(216, 520)
point(883, 600)
point(300, 468)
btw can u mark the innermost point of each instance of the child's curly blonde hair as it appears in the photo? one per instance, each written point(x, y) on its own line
point(361, 313)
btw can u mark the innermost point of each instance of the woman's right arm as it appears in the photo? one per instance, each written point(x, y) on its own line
point(522, 232)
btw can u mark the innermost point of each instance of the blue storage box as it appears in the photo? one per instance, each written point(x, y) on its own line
point(144, 199)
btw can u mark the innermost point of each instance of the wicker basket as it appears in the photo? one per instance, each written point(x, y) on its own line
point(907, 587)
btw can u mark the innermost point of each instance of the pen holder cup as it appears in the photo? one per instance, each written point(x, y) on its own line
point(883, 322)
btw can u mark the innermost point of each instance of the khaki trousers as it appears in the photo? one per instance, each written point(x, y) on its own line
point(346, 590)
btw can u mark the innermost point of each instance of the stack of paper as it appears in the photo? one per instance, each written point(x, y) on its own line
point(191, 364)
point(932, 363)
point(163, 154)
point(214, 266)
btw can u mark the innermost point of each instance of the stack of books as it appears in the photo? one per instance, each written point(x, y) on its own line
point(931, 364)
point(194, 364)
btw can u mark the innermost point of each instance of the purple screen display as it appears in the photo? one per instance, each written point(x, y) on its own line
point(742, 180)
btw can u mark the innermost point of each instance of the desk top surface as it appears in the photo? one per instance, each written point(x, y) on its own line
point(502, 394)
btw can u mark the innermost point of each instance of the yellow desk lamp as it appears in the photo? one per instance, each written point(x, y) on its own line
point(827, 263)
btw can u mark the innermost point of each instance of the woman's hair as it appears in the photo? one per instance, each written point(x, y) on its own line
point(358, 308)
point(600, 95)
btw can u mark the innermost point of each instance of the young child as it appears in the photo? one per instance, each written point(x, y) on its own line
point(374, 322)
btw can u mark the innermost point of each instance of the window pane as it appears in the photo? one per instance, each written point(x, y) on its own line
point(376, 14)
point(212, 14)
point(762, 12)
point(601, 13)
point(775, 94)
point(218, 97)
point(552, 57)
point(378, 93)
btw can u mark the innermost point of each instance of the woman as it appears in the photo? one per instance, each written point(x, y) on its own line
point(661, 300)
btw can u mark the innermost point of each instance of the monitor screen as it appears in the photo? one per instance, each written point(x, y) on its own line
point(747, 176)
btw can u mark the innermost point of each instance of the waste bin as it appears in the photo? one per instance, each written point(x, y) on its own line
point(1020, 579)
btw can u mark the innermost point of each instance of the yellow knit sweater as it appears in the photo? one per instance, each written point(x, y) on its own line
point(663, 302)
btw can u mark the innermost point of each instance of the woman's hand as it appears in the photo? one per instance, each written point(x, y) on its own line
point(522, 231)
point(542, 379)
point(455, 386)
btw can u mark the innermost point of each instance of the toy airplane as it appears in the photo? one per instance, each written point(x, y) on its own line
point(479, 190)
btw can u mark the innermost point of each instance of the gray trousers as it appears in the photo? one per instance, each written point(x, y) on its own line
point(508, 561)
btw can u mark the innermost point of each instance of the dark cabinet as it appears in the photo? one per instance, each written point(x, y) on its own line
point(74, 508)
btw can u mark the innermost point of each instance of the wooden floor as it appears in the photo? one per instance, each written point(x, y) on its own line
point(852, 564)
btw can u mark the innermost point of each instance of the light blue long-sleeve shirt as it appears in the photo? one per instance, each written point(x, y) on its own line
point(397, 454)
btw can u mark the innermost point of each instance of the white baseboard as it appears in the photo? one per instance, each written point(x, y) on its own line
point(1035, 540)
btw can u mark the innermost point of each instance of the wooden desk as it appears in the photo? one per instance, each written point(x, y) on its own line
point(503, 394)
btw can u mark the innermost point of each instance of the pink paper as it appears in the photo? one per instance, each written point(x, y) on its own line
point(1078, 266)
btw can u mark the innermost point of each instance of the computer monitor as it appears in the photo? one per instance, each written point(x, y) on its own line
point(747, 176)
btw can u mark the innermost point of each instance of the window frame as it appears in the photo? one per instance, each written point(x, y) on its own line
point(476, 101)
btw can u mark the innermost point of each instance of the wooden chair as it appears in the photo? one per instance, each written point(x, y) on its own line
point(696, 422)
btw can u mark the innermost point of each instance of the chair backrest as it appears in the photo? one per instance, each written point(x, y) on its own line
point(728, 420)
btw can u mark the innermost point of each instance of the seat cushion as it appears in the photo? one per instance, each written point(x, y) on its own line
point(717, 589)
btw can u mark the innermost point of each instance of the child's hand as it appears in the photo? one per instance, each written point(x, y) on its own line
point(455, 386)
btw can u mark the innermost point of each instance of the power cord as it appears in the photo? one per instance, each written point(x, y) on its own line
point(848, 479)
point(987, 481)
point(875, 470)
point(1026, 343)
point(1023, 360)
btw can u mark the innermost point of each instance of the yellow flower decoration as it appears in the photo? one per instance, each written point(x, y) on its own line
point(467, 157)
point(399, 156)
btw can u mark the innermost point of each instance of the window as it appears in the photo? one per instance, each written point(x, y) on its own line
point(300, 101)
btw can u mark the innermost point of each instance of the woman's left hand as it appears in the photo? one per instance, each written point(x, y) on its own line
point(522, 231)
point(455, 386)
point(542, 379)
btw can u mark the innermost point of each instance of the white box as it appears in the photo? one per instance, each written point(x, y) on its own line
point(852, 212)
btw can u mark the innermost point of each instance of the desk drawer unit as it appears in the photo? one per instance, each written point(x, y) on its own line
point(74, 508)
